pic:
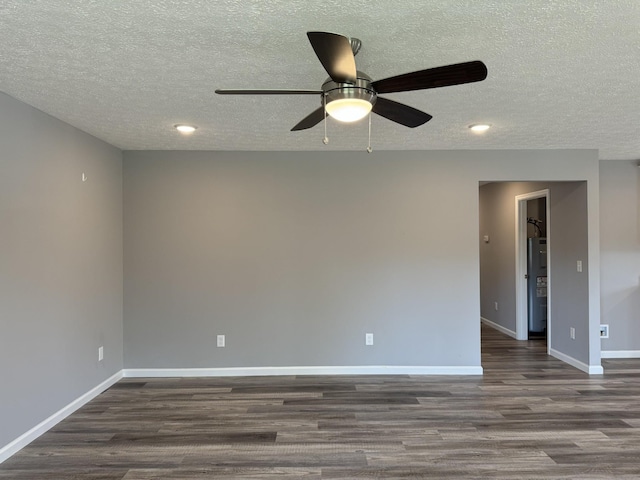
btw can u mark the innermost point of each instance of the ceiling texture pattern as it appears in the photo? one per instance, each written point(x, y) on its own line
point(562, 74)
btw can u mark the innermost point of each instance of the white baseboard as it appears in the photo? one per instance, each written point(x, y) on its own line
point(620, 354)
point(278, 371)
point(500, 328)
point(590, 369)
point(28, 437)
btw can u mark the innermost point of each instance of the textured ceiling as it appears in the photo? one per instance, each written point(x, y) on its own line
point(562, 74)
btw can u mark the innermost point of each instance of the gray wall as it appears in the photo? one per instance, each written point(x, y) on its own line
point(569, 289)
point(620, 247)
point(295, 256)
point(60, 265)
point(569, 294)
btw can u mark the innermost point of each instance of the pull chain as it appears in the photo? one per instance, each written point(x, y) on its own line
point(369, 149)
point(325, 140)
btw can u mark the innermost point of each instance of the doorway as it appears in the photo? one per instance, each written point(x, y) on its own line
point(533, 282)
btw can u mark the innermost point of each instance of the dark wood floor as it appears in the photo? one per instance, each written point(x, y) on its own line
point(529, 417)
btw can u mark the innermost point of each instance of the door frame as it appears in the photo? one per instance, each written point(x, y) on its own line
point(522, 323)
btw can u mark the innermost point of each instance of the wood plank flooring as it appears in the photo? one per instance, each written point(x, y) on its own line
point(529, 417)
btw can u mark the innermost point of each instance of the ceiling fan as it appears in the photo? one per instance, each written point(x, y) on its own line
point(349, 95)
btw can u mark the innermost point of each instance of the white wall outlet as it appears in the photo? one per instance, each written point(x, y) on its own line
point(100, 354)
point(604, 331)
point(486, 238)
point(368, 339)
point(220, 341)
point(579, 265)
point(495, 305)
point(572, 333)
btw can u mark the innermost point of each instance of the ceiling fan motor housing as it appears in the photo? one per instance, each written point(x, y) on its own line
point(361, 90)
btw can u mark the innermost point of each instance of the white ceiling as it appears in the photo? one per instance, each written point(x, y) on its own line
point(562, 73)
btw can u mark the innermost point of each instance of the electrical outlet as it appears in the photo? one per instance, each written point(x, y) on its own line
point(100, 354)
point(220, 341)
point(368, 339)
point(572, 333)
point(579, 266)
point(604, 331)
point(495, 305)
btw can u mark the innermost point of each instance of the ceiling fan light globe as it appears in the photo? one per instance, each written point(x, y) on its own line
point(349, 109)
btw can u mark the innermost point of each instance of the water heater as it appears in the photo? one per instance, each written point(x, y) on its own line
point(537, 284)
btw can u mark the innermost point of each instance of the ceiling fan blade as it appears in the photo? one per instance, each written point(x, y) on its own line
point(222, 91)
point(433, 77)
point(310, 120)
point(335, 54)
point(400, 113)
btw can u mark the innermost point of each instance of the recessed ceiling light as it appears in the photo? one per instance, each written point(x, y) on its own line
point(480, 127)
point(185, 129)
